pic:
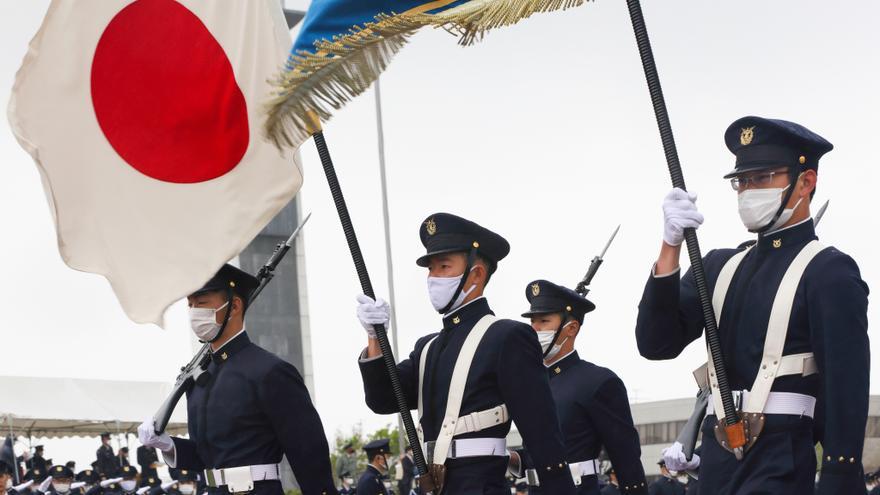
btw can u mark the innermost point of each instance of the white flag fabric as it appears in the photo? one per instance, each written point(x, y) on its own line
point(144, 120)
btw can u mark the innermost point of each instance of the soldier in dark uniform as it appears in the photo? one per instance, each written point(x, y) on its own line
point(404, 485)
point(823, 336)
point(372, 482)
point(38, 462)
point(89, 477)
point(460, 258)
point(129, 483)
point(253, 409)
point(148, 460)
point(591, 401)
point(187, 483)
point(107, 464)
point(40, 478)
point(62, 478)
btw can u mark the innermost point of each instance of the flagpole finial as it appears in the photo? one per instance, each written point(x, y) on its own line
point(313, 122)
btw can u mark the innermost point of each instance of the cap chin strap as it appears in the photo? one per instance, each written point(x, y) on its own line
point(565, 317)
point(472, 257)
point(793, 175)
point(229, 296)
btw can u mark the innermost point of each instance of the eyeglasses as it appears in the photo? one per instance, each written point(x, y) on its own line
point(759, 180)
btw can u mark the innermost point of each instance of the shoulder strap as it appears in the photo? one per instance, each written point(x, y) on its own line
point(457, 386)
point(423, 359)
point(777, 329)
point(722, 285)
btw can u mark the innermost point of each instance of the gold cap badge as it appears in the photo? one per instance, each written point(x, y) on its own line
point(536, 289)
point(224, 356)
point(748, 133)
point(777, 243)
point(431, 226)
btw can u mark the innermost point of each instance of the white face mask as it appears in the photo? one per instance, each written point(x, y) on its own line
point(545, 338)
point(204, 322)
point(758, 206)
point(441, 289)
point(348, 482)
point(187, 488)
point(128, 485)
point(61, 487)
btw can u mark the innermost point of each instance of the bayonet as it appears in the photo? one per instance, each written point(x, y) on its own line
point(821, 213)
point(582, 286)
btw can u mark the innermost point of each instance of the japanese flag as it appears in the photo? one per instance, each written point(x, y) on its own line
point(143, 117)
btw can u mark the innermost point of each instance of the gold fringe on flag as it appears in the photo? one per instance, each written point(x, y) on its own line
point(346, 66)
point(472, 20)
point(338, 71)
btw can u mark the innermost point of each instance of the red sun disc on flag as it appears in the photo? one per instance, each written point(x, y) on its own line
point(165, 95)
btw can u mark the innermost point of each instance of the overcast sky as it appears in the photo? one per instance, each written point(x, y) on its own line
point(544, 133)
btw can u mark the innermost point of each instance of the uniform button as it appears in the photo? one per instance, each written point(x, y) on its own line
point(828, 458)
point(852, 460)
point(560, 465)
point(841, 459)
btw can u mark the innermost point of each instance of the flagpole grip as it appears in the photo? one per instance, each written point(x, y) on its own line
point(367, 288)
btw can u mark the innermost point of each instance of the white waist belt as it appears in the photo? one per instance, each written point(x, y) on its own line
point(777, 403)
point(481, 420)
point(242, 478)
point(471, 447)
point(578, 470)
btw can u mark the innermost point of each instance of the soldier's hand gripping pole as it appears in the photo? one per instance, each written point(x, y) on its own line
point(734, 428)
point(367, 287)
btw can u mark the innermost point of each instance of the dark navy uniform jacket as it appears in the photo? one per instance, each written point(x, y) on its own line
point(106, 461)
point(593, 410)
point(254, 409)
point(829, 318)
point(507, 368)
point(370, 483)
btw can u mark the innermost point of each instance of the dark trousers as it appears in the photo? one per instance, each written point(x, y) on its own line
point(476, 476)
point(781, 462)
point(589, 486)
point(404, 486)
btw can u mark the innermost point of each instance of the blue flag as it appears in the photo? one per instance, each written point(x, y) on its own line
point(344, 45)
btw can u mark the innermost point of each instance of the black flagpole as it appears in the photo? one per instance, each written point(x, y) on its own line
point(734, 426)
point(367, 287)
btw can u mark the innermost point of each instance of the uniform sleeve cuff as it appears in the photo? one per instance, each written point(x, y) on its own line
point(654, 272)
point(364, 359)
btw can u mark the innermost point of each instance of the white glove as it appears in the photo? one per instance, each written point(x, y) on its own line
point(166, 486)
point(106, 483)
point(676, 461)
point(21, 487)
point(142, 490)
point(147, 436)
point(44, 486)
point(371, 313)
point(77, 485)
point(679, 213)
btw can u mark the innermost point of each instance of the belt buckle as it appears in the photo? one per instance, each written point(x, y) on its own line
point(238, 479)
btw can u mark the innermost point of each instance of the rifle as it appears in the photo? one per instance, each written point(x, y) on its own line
point(195, 372)
point(594, 267)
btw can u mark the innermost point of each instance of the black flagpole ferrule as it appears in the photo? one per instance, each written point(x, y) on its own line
point(367, 287)
point(712, 341)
